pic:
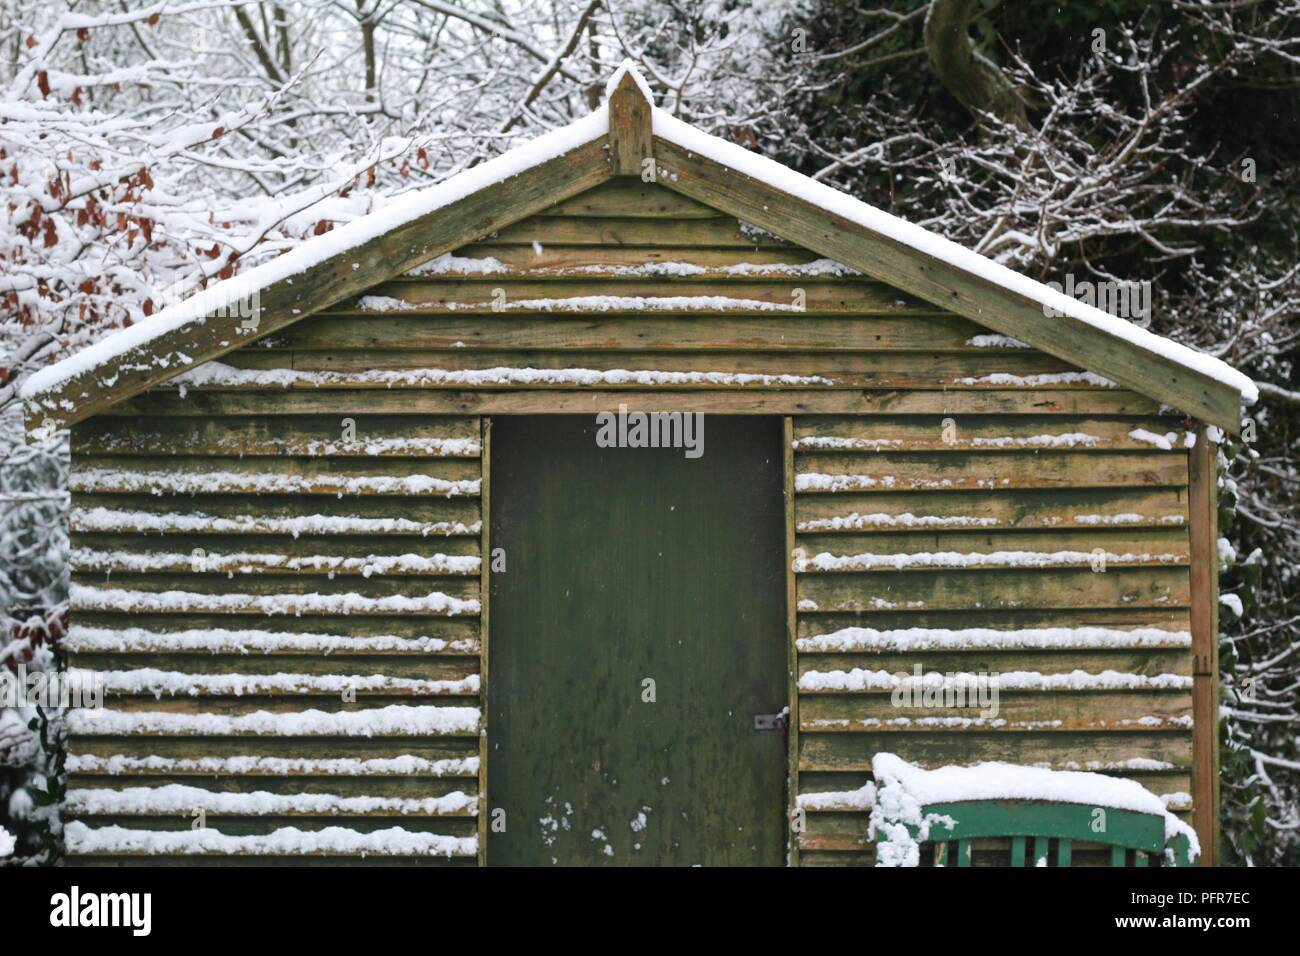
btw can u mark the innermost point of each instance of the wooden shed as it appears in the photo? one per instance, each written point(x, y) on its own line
point(364, 583)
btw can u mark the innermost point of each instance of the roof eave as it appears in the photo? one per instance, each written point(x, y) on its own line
point(1147, 372)
point(627, 140)
point(319, 286)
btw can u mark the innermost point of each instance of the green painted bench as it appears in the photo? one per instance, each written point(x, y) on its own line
point(1139, 837)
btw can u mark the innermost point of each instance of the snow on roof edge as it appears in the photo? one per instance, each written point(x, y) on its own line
point(223, 295)
point(781, 177)
point(227, 293)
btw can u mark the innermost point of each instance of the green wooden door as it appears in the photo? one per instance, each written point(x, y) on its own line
point(626, 566)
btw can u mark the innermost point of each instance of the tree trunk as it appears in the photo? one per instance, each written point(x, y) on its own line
point(978, 85)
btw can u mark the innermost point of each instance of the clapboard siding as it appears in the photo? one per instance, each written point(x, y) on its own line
point(583, 400)
point(281, 566)
point(943, 480)
point(811, 295)
point(392, 437)
point(854, 370)
point(1047, 554)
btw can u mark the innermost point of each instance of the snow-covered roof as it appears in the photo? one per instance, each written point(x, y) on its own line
point(785, 179)
point(226, 297)
point(143, 350)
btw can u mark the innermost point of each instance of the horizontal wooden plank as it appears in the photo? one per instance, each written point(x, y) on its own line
point(351, 546)
point(629, 197)
point(1010, 433)
point(641, 331)
point(928, 512)
point(1146, 663)
point(433, 717)
point(952, 549)
point(835, 851)
point(276, 514)
point(96, 792)
point(844, 823)
point(844, 844)
point(581, 231)
point(391, 786)
point(382, 775)
point(259, 595)
point(361, 641)
point(461, 825)
point(363, 436)
point(222, 554)
point(1057, 711)
point(1160, 782)
point(1061, 750)
point(737, 401)
point(199, 474)
point(1174, 620)
point(956, 562)
point(560, 260)
point(841, 369)
point(817, 473)
point(296, 585)
point(411, 665)
point(1148, 587)
point(238, 705)
point(595, 294)
point(199, 747)
point(347, 626)
point(832, 781)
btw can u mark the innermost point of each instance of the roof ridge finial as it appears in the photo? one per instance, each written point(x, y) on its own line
point(628, 68)
point(631, 127)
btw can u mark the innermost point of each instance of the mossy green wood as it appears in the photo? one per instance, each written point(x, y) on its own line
point(625, 565)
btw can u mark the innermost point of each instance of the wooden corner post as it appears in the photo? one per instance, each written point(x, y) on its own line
point(485, 587)
point(792, 653)
point(631, 141)
point(1202, 533)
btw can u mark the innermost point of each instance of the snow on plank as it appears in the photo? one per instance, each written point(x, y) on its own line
point(596, 292)
point(182, 800)
point(220, 375)
point(83, 639)
point(1012, 433)
point(159, 683)
point(286, 841)
point(883, 471)
point(101, 519)
point(83, 598)
point(916, 639)
point(91, 478)
point(1013, 509)
point(307, 436)
point(397, 720)
point(406, 765)
point(243, 562)
point(860, 680)
point(969, 560)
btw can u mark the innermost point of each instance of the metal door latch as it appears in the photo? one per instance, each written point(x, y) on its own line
point(770, 721)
